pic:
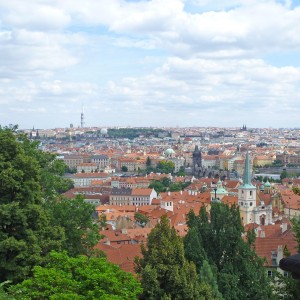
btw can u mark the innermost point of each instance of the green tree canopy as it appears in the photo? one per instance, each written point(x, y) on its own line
point(75, 217)
point(78, 278)
point(181, 172)
point(240, 272)
point(26, 235)
point(165, 166)
point(124, 169)
point(158, 186)
point(141, 219)
point(164, 271)
point(148, 161)
point(283, 174)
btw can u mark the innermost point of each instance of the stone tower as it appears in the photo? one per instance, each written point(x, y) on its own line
point(197, 161)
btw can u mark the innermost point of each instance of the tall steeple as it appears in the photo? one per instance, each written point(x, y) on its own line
point(247, 171)
point(247, 195)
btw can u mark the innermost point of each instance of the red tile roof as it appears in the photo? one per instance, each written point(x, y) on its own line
point(265, 245)
point(122, 256)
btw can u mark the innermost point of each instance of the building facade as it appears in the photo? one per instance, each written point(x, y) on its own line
point(128, 196)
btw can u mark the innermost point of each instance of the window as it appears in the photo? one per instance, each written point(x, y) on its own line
point(250, 193)
point(250, 203)
point(270, 273)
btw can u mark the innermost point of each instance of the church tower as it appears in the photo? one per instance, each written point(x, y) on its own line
point(247, 195)
point(197, 160)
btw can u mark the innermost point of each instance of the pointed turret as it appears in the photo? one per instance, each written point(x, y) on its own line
point(247, 172)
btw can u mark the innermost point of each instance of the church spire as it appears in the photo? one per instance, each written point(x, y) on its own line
point(247, 171)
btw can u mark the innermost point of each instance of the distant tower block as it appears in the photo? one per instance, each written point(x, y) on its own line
point(82, 117)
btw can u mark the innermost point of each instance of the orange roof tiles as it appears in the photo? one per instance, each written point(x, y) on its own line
point(291, 200)
point(230, 200)
point(265, 245)
point(123, 256)
point(141, 192)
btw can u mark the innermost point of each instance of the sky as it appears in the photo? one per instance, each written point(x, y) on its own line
point(162, 63)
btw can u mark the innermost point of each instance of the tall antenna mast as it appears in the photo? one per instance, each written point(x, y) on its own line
point(82, 117)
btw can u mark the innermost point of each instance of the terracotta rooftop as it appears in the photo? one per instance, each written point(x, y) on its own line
point(265, 245)
point(122, 256)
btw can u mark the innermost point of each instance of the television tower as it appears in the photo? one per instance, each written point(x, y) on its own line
point(82, 117)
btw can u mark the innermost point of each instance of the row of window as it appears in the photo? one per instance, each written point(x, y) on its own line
point(246, 204)
point(251, 192)
point(128, 198)
point(128, 203)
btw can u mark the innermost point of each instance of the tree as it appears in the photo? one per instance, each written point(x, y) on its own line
point(102, 221)
point(240, 272)
point(148, 162)
point(3, 293)
point(158, 186)
point(77, 278)
point(124, 169)
point(165, 181)
point(165, 166)
point(175, 187)
point(26, 235)
point(164, 271)
point(208, 277)
point(181, 172)
point(75, 216)
point(51, 169)
point(141, 219)
point(283, 174)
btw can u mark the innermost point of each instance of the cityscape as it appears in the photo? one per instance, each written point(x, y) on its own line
point(150, 150)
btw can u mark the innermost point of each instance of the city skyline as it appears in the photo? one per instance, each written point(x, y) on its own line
point(150, 63)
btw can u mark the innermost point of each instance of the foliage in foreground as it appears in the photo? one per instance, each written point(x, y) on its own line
point(34, 219)
point(75, 278)
point(238, 270)
point(26, 235)
point(164, 271)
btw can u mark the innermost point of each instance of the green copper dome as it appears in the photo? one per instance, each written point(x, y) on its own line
point(169, 151)
point(220, 190)
point(268, 184)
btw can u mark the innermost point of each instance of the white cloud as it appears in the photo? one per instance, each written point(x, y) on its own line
point(57, 55)
point(35, 15)
point(229, 88)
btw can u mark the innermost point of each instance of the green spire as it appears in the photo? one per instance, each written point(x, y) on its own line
point(247, 173)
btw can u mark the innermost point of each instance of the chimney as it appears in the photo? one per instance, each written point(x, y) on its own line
point(180, 192)
point(124, 231)
point(169, 193)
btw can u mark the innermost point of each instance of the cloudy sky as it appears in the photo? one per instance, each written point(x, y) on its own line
point(150, 63)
